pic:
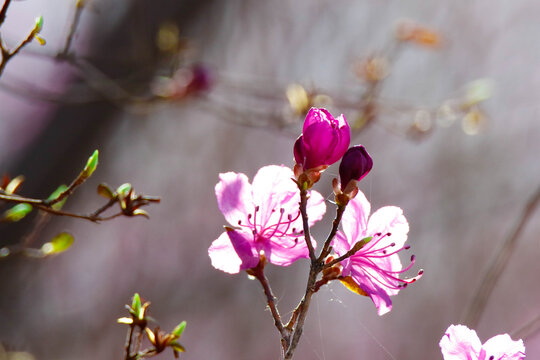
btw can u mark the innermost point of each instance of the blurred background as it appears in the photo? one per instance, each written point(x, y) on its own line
point(174, 92)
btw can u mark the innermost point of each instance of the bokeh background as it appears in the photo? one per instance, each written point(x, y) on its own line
point(462, 190)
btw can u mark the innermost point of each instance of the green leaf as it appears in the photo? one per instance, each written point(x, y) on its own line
point(58, 244)
point(14, 184)
point(105, 191)
point(179, 329)
point(17, 212)
point(91, 165)
point(136, 304)
point(57, 193)
point(177, 347)
point(365, 240)
point(39, 24)
point(124, 189)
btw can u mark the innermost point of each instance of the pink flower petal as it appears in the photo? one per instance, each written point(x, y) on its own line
point(355, 218)
point(316, 208)
point(273, 188)
point(503, 347)
point(233, 252)
point(389, 219)
point(460, 343)
point(286, 251)
point(377, 294)
point(233, 193)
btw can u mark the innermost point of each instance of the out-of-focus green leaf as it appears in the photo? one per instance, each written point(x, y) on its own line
point(57, 193)
point(105, 191)
point(136, 304)
point(58, 244)
point(14, 184)
point(17, 212)
point(91, 165)
point(39, 24)
point(177, 347)
point(123, 189)
point(179, 329)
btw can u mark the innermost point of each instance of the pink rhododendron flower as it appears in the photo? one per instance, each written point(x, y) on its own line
point(324, 139)
point(374, 269)
point(265, 216)
point(461, 343)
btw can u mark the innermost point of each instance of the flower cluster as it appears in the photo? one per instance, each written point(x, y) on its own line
point(270, 219)
point(264, 219)
point(374, 269)
point(265, 223)
point(461, 343)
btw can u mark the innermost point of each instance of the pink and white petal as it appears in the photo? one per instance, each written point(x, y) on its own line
point(316, 207)
point(375, 291)
point(355, 218)
point(232, 252)
point(233, 193)
point(273, 188)
point(503, 347)
point(341, 244)
point(460, 343)
point(286, 252)
point(389, 219)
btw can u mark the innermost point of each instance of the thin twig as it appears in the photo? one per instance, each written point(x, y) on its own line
point(7, 55)
point(3, 12)
point(305, 223)
point(498, 264)
point(258, 272)
point(301, 311)
point(73, 28)
point(129, 338)
point(359, 245)
point(528, 329)
point(327, 248)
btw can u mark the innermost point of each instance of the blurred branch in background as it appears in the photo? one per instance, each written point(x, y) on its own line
point(233, 95)
point(159, 340)
point(498, 264)
point(130, 205)
point(33, 34)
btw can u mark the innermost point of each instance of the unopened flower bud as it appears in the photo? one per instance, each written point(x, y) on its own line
point(356, 164)
point(324, 139)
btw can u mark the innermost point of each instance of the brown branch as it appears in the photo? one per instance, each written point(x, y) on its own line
point(299, 314)
point(3, 12)
point(73, 28)
point(528, 329)
point(258, 273)
point(498, 264)
point(359, 245)
point(307, 236)
point(327, 248)
point(129, 339)
point(7, 55)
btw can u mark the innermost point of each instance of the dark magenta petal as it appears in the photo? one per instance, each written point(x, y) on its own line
point(299, 152)
point(356, 164)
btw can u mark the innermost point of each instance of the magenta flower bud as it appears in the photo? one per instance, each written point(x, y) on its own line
point(324, 139)
point(356, 164)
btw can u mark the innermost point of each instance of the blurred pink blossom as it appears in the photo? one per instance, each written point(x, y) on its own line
point(265, 218)
point(324, 139)
point(461, 343)
point(374, 269)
